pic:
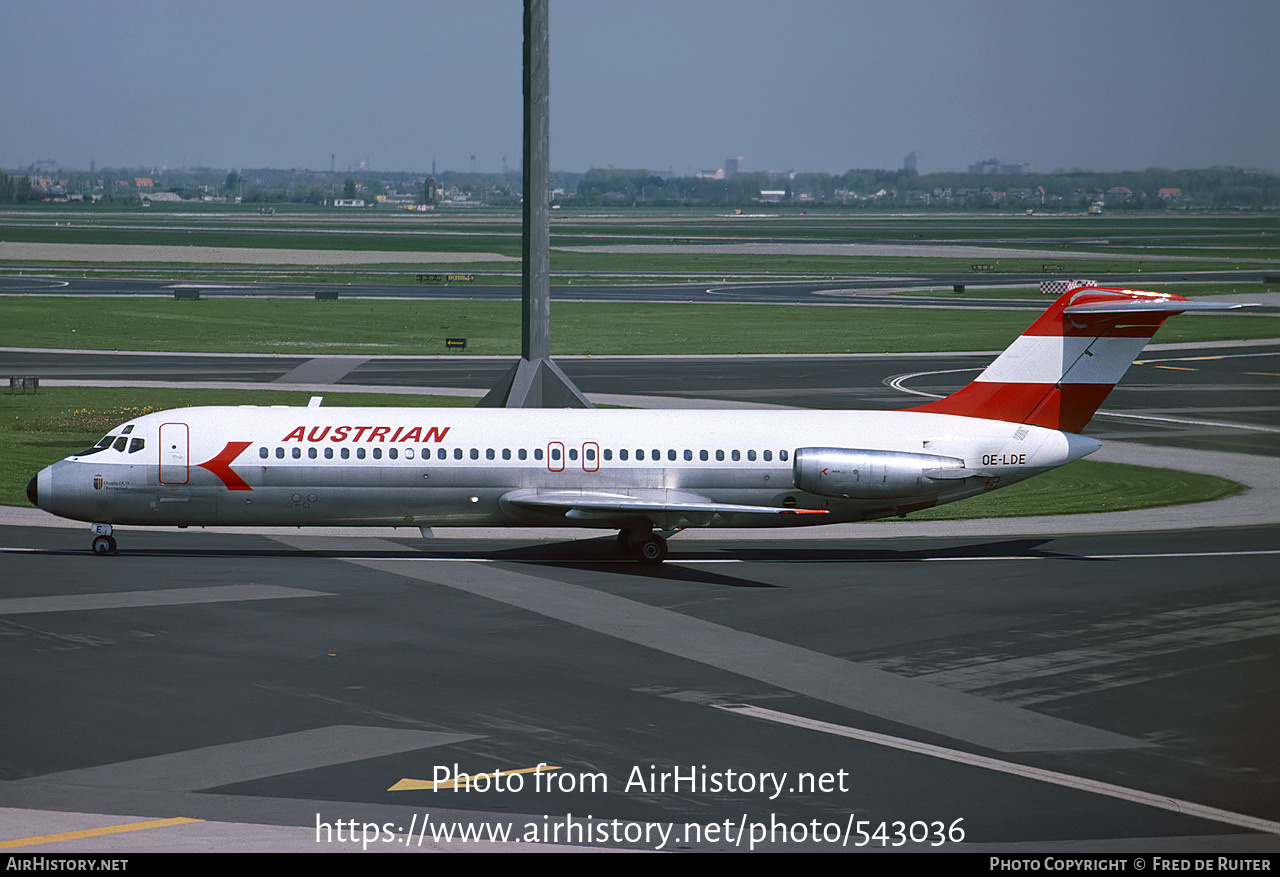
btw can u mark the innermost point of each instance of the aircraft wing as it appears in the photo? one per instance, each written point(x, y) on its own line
point(667, 505)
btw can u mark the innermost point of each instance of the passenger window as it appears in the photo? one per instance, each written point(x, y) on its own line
point(751, 456)
point(346, 453)
point(639, 454)
point(671, 453)
point(359, 453)
point(768, 455)
point(537, 453)
point(506, 453)
point(377, 453)
point(573, 453)
point(328, 453)
point(263, 452)
point(457, 453)
point(688, 455)
point(782, 455)
point(392, 453)
point(297, 453)
point(311, 453)
point(488, 454)
point(279, 453)
point(736, 455)
point(441, 454)
point(608, 454)
point(408, 454)
point(657, 455)
point(475, 453)
point(555, 455)
point(622, 454)
point(720, 456)
point(522, 454)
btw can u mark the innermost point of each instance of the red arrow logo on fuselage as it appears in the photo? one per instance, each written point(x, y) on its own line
point(221, 466)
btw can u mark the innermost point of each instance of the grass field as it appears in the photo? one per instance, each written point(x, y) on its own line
point(241, 325)
point(39, 429)
point(1087, 486)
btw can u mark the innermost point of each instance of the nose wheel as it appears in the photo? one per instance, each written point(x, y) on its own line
point(103, 542)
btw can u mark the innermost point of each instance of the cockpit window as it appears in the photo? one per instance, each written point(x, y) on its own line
point(121, 443)
point(103, 444)
point(136, 445)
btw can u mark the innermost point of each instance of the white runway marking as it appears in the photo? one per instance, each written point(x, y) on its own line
point(1162, 802)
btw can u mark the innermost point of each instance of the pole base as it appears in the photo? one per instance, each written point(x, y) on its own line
point(534, 383)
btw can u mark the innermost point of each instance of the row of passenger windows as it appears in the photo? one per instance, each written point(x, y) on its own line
point(553, 455)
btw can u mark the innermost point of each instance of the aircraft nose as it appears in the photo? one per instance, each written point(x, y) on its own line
point(32, 491)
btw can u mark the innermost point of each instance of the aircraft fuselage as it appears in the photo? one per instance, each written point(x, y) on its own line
point(484, 467)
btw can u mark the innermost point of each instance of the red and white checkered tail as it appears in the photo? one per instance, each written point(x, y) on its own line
point(1059, 371)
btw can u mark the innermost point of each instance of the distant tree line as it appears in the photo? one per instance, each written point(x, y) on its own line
point(857, 189)
point(868, 188)
point(15, 190)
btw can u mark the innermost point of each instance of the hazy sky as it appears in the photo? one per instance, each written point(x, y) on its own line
point(795, 85)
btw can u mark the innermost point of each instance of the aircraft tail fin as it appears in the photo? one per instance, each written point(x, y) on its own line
point(1058, 372)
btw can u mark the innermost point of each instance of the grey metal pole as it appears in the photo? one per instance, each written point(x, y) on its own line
point(536, 239)
point(535, 381)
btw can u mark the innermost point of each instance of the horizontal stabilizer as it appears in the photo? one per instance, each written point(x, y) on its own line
point(1126, 307)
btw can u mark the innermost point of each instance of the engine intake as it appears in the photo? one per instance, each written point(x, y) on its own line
point(850, 473)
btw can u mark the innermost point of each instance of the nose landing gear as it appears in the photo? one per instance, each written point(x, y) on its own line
point(103, 542)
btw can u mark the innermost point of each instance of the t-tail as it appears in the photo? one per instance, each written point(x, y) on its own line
point(1058, 372)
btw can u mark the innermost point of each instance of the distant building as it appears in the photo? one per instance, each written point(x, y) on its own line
point(993, 166)
point(144, 182)
point(732, 166)
point(911, 163)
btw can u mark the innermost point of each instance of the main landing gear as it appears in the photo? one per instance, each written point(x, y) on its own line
point(646, 547)
point(103, 542)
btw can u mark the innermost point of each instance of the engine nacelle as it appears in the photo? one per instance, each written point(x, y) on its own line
point(850, 473)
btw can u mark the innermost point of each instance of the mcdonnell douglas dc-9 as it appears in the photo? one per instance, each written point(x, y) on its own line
point(644, 473)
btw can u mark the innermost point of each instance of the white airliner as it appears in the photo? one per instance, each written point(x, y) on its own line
point(645, 473)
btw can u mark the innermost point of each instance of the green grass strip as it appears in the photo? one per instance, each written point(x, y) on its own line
point(366, 326)
point(1086, 486)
